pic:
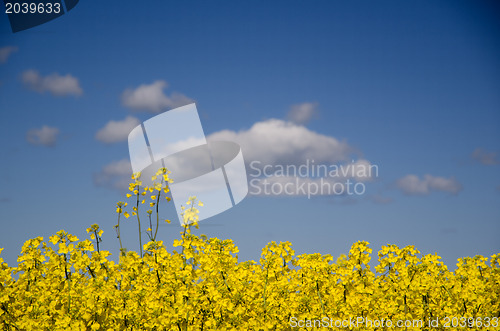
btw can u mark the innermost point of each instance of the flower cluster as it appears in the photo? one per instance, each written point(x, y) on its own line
point(71, 284)
point(202, 285)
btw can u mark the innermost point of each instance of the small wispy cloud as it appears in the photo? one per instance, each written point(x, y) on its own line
point(302, 113)
point(116, 131)
point(55, 83)
point(45, 136)
point(448, 230)
point(6, 52)
point(412, 185)
point(114, 175)
point(484, 157)
point(151, 97)
point(379, 199)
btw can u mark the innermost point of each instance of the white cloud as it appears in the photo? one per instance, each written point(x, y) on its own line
point(46, 136)
point(302, 113)
point(276, 143)
point(279, 142)
point(5, 53)
point(412, 185)
point(115, 131)
point(54, 83)
point(486, 158)
point(115, 175)
point(152, 98)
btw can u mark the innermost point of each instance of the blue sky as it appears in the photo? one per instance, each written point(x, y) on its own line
point(410, 87)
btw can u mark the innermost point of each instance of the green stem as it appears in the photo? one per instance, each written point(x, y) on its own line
point(187, 314)
point(157, 215)
point(265, 287)
point(96, 240)
point(183, 240)
point(69, 281)
point(320, 301)
point(118, 233)
point(150, 226)
point(139, 221)
point(140, 236)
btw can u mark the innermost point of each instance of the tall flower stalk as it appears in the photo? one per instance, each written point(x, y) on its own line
point(161, 181)
point(119, 209)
